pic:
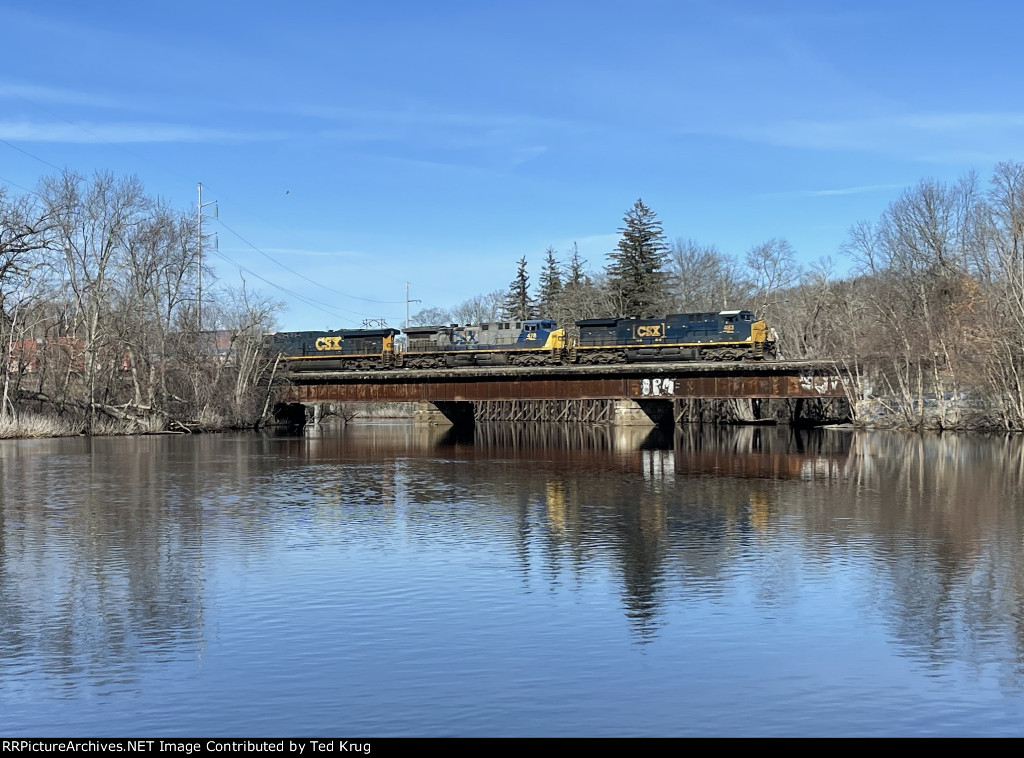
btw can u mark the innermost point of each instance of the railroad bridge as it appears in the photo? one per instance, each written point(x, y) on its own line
point(570, 393)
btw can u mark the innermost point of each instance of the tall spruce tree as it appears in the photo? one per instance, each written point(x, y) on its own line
point(518, 303)
point(636, 275)
point(550, 285)
point(575, 273)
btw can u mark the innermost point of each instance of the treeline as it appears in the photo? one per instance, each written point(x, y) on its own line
point(926, 322)
point(101, 319)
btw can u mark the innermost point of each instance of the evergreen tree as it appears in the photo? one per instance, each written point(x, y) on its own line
point(576, 275)
point(519, 306)
point(636, 276)
point(550, 285)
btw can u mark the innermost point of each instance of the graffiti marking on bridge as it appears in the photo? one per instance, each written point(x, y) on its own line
point(658, 387)
point(823, 384)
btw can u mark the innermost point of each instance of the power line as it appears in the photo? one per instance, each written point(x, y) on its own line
point(30, 155)
point(302, 276)
point(15, 184)
point(328, 309)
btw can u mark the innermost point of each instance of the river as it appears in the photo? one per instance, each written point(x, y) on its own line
point(390, 580)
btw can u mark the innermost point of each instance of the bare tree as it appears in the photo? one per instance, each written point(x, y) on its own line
point(705, 280)
point(431, 317)
point(1003, 279)
point(774, 269)
point(480, 308)
point(23, 230)
point(91, 220)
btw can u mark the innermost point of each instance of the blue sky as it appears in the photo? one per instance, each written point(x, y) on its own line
point(354, 147)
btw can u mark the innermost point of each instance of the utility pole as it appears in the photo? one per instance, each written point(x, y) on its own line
point(407, 301)
point(199, 277)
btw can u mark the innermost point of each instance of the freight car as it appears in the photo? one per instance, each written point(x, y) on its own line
point(344, 350)
point(727, 335)
point(534, 342)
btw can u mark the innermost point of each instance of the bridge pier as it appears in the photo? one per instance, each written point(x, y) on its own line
point(292, 414)
point(660, 412)
point(459, 412)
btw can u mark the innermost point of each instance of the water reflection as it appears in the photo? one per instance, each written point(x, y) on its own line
point(114, 553)
point(100, 561)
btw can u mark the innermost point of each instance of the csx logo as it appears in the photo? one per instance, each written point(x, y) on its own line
point(328, 343)
point(649, 331)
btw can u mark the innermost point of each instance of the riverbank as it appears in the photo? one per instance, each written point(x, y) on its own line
point(39, 426)
point(870, 415)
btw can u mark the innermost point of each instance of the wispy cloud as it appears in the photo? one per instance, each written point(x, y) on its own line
point(924, 137)
point(126, 132)
point(449, 138)
point(36, 94)
point(846, 190)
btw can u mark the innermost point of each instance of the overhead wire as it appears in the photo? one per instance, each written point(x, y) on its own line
point(303, 276)
point(321, 306)
point(30, 155)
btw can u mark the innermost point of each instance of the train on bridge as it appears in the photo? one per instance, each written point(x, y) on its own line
point(725, 335)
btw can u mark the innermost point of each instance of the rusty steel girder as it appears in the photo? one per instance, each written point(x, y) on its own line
point(662, 381)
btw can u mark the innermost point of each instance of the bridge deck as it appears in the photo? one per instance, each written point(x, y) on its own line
point(776, 379)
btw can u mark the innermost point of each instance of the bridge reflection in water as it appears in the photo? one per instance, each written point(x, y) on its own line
point(755, 451)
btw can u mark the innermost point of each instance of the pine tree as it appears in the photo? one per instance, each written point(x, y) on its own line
point(636, 273)
point(550, 285)
point(576, 275)
point(519, 306)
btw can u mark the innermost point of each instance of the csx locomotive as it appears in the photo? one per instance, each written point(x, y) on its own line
point(727, 335)
point(723, 336)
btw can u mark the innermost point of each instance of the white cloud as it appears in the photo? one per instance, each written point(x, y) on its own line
point(39, 94)
point(847, 190)
point(126, 132)
point(924, 137)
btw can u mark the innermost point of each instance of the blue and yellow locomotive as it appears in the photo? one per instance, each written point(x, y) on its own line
point(342, 350)
point(722, 336)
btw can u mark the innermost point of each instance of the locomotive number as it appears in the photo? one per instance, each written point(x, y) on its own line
point(649, 331)
point(729, 328)
point(328, 343)
point(531, 336)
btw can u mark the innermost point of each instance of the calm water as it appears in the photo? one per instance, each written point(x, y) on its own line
point(392, 580)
